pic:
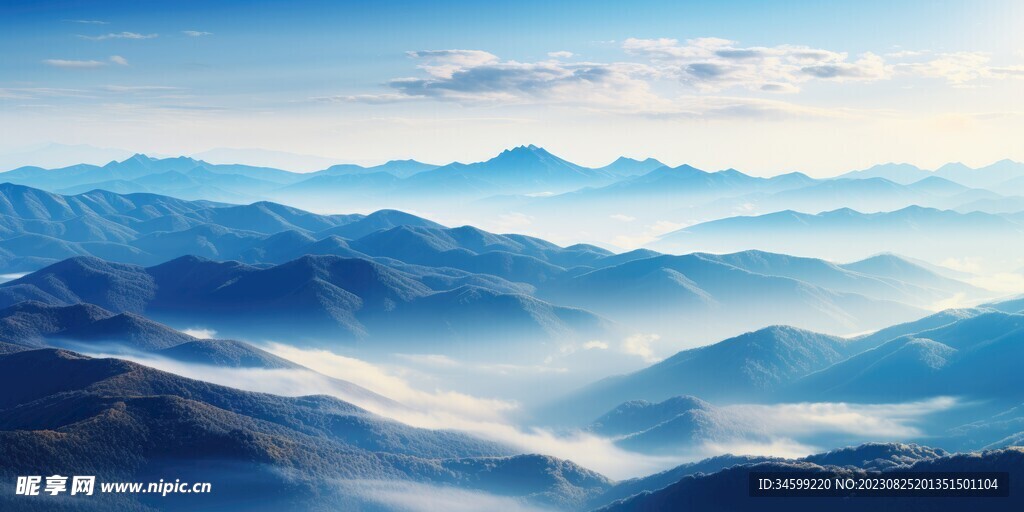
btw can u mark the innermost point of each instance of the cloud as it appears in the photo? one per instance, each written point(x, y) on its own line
point(370, 99)
point(863, 421)
point(786, 430)
point(714, 64)
point(384, 382)
point(137, 88)
point(431, 409)
point(595, 345)
point(778, 429)
point(196, 33)
point(119, 35)
point(955, 68)
point(1007, 71)
point(640, 345)
point(201, 333)
point(89, 22)
point(480, 77)
point(74, 64)
point(119, 60)
point(621, 217)
point(560, 54)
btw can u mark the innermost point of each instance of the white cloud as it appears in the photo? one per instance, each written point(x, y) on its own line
point(622, 217)
point(778, 429)
point(119, 35)
point(137, 88)
point(475, 76)
point(640, 345)
point(703, 65)
point(714, 64)
point(1007, 71)
point(119, 60)
point(380, 380)
point(432, 409)
point(74, 64)
point(201, 333)
point(89, 22)
point(196, 33)
point(595, 345)
point(864, 421)
point(370, 99)
point(956, 68)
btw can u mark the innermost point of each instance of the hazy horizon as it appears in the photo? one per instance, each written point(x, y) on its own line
point(764, 88)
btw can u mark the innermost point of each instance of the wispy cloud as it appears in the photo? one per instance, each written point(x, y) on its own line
point(479, 77)
point(85, 64)
point(88, 22)
point(119, 35)
point(196, 33)
point(371, 99)
point(138, 88)
point(433, 409)
point(716, 64)
point(705, 67)
point(74, 64)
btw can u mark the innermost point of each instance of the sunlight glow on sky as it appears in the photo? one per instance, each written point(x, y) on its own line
point(820, 87)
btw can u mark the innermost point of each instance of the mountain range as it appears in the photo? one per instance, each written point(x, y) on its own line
point(914, 231)
point(930, 357)
point(526, 282)
point(530, 171)
point(72, 414)
point(121, 421)
point(335, 298)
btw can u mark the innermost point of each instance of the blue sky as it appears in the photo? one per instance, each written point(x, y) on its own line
point(761, 86)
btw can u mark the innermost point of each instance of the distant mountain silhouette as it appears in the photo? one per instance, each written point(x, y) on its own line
point(901, 173)
point(523, 169)
point(624, 166)
point(913, 231)
point(397, 168)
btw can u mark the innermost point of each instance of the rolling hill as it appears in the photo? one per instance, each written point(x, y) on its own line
point(122, 421)
point(340, 299)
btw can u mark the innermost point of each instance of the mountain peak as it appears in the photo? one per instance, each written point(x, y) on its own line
point(524, 150)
